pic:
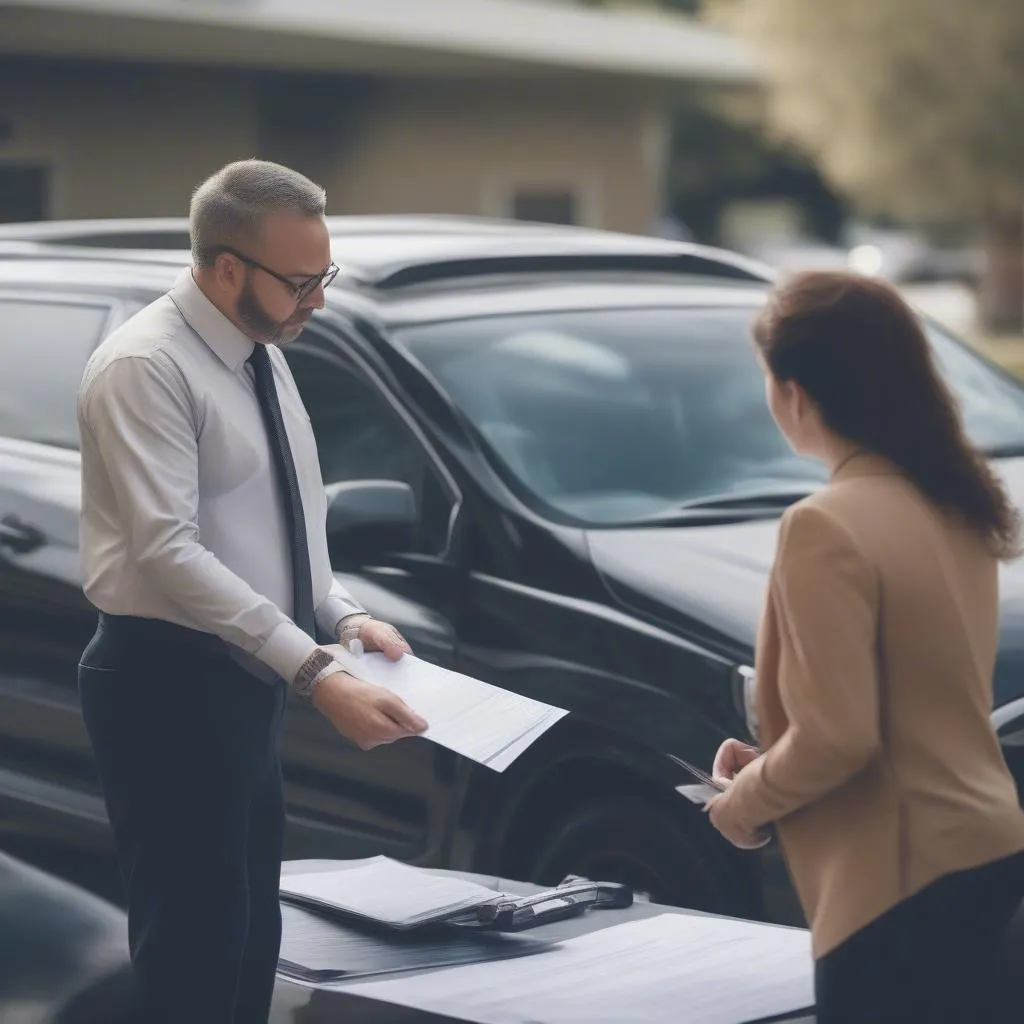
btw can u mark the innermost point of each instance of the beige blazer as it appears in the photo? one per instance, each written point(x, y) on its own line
point(874, 689)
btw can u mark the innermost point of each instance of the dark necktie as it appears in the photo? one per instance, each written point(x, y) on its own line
point(288, 486)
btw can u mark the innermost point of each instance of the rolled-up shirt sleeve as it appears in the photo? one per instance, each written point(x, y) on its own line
point(145, 428)
point(826, 603)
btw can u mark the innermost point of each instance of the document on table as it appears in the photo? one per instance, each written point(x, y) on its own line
point(318, 950)
point(385, 891)
point(669, 969)
point(483, 722)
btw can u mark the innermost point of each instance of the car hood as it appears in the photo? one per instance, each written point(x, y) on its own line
point(709, 582)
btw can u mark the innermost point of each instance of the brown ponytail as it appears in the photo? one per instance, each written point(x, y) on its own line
point(860, 353)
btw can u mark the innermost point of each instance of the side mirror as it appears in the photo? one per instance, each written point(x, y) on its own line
point(370, 517)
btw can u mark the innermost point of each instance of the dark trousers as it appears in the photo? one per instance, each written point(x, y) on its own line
point(186, 743)
point(938, 957)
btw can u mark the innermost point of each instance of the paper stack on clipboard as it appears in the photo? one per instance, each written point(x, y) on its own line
point(385, 893)
point(320, 950)
point(381, 916)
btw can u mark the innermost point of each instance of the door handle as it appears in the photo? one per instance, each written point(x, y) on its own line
point(19, 537)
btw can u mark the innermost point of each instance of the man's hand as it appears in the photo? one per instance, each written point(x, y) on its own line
point(379, 636)
point(365, 713)
point(732, 756)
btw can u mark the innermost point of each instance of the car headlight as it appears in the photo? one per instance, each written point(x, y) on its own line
point(744, 691)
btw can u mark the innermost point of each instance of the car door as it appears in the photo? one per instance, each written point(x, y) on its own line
point(396, 799)
point(47, 780)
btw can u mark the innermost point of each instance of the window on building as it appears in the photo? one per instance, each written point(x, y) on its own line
point(23, 193)
point(546, 205)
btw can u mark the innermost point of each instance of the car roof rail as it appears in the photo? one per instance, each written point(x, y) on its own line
point(22, 250)
point(708, 263)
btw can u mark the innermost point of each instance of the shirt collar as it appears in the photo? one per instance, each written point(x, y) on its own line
point(227, 342)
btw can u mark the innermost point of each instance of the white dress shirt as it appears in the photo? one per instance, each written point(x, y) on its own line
point(182, 518)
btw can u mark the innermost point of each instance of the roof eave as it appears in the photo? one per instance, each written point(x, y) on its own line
point(243, 37)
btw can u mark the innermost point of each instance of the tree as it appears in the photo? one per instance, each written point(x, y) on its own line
point(913, 107)
point(716, 159)
point(717, 156)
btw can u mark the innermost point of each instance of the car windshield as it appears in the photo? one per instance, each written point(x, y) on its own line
point(617, 416)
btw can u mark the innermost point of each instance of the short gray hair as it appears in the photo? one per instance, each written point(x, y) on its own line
point(228, 208)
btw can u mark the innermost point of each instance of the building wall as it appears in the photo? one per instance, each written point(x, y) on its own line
point(124, 142)
point(467, 147)
point(135, 141)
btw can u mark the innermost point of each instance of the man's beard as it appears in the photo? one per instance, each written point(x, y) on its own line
point(264, 327)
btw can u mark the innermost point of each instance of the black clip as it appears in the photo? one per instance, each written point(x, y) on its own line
point(570, 899)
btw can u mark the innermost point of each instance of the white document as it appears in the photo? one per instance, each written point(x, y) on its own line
point(699, 793)
point(480, 721)
point(669, 969)
point(388, 891)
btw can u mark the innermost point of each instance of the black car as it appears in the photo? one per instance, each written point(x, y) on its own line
point(551, 466)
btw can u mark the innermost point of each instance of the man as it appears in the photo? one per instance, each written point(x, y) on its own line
point(204, 549)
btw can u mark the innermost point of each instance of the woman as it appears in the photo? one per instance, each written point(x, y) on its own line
point(881, 772)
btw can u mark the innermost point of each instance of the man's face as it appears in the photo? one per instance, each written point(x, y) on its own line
point(298, 249)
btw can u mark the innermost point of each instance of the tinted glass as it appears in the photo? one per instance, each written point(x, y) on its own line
point(43, 352)
point(131, 240)
point(612, 416)
point(360, 437)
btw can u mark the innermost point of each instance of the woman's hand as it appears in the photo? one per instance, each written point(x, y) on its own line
point(718, 810)
point(732, 756)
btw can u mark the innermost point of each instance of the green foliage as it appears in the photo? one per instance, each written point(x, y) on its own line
point(715, 158)
point(915, 107)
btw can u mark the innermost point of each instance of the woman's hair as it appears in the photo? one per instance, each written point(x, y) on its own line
point(861, 354)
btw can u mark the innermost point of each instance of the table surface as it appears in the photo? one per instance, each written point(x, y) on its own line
point(308, 1004)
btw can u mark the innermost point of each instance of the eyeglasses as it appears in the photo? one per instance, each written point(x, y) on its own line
point(298, 290)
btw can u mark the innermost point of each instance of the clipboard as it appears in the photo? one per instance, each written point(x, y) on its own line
point(570, 899)
point(319, 950)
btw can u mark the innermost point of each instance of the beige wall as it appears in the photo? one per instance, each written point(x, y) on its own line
point(134, 142)
point(125, 143)
point(464, 147)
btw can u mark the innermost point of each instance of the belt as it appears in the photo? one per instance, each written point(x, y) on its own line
point(158, 632)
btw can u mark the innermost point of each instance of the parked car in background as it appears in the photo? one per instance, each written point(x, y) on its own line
point(60, 948)
point(170, 234)
point(551, 466)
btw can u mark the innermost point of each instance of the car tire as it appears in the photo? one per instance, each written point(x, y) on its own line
point(644, 845)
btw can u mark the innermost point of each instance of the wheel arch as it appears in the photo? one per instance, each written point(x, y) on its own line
point(586, 777)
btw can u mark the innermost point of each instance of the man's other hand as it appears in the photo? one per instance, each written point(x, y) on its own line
point(380, 636)
point(365, 713)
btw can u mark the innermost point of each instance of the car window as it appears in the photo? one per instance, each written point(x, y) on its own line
point(44, 347)
point(361, 437)
point(989, 403)
point(613, 416)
